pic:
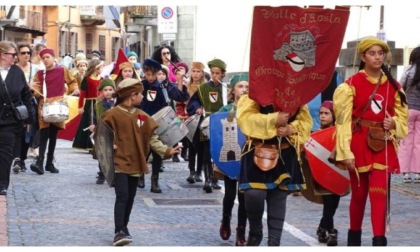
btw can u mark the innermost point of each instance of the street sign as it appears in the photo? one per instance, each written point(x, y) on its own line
point(169, 36)
point(167, 19)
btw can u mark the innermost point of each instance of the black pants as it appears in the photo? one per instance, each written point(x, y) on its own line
point(50, 134)
point(8, 135)
point(156, 163)
point(231, 189)
point(276, 211)
point(195, 149)
point(330, 206)
point(125, 191)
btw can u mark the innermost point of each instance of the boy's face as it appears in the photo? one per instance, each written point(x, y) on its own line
point(161, 76)
point(240, 88)
point(48, 60)
point(107, 92)
point(216, 74)
point(137, 98)
point(150, 76)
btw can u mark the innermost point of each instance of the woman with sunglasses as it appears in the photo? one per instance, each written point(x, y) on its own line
point(14, 91)
point(27, 140)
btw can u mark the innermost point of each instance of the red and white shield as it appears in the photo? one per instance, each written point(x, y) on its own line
point(318, 148)
point(151, 95)
point(213, 96)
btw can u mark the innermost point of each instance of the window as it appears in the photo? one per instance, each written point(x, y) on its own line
point(89, 42)
point(63, 43)
point(74, 45)
point(102, 45)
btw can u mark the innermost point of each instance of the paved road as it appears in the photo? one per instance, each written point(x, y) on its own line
point(69, 209)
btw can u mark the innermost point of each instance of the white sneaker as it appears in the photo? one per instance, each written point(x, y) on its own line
point(16, 165)
point(407, 178)
point(417, 178)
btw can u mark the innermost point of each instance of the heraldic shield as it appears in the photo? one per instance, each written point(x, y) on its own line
point(104, 147)
point(226, 140)
point(318, 149)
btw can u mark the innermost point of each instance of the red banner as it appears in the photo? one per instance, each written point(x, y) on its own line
point(293, 53)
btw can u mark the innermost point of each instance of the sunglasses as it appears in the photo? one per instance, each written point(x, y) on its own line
point(26, 52)
point(13, 54)
point(166, 53)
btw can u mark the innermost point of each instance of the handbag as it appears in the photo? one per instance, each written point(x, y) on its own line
point(20, 111)
point(266, 156)
point(377, 138)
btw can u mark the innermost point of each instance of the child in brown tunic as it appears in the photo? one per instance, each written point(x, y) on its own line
point(134, 136)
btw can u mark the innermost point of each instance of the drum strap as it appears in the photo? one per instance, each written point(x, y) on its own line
point(165, 94)
point(44, 87)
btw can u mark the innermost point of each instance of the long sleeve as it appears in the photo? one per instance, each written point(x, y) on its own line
point(302, 125)
point(70, 81)
point(343, 104)
point(157, 146)
point(250, 119)
point(176, 94)
point(401, 118)
point(193, 104)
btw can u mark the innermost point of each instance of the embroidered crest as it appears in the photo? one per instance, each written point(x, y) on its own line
point(141, 119)
point(151, 95)
point(376, 104)
point(213, 96)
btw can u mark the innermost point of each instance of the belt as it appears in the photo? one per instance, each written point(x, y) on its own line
point(256, 142)
point(368, 123)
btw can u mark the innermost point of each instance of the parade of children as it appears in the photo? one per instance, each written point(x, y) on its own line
point(251, 205)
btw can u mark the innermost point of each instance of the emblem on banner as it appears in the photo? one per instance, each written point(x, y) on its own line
point(213, 96)
point(151, 95)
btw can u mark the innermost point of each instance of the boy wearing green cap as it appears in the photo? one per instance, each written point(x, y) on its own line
point(206, 100)
point(104, 102)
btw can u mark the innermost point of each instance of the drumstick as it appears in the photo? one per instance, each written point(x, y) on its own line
point(36, 91)
point(86, 128)
point(224, 84)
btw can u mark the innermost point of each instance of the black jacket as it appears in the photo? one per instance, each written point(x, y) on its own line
point(19, 92)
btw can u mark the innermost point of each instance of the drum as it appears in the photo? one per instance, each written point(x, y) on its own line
point(55, 112)
point(192, 123)
point(170, 130)
point(205, 127)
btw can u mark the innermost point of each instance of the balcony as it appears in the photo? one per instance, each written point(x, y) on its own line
point(29, 22)
point(142, 11)
point(92, 18)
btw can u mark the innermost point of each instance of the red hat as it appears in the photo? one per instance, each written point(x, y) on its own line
point(46, 51)
point(179, 65)
point(329, 105)
point(121, 58)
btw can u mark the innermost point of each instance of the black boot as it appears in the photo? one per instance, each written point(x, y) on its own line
point(184, 153)
point(354, 238)
point(332, 237)
point(254, 238)
point(215, 185)
point(190, 178)
point(225, 230)
point(155, 184)
point(100, 178)
point(208, 177)
point(175, 158)
point(240, 236)
point(379, 241)
point(322, 235)
point(141, 183)
point(49, 166)
point(198, 177)
point(38, 166)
